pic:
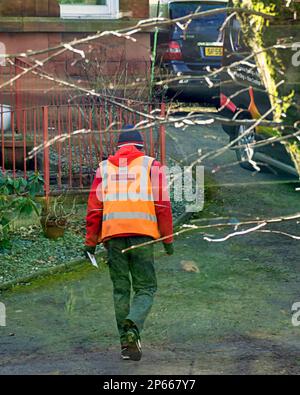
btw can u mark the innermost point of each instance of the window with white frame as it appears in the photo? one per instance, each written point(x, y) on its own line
point(89, 9)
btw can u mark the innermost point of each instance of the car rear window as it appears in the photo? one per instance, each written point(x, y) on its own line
point(179, 10)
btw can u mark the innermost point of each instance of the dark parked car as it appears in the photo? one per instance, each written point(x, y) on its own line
point(191, 53)
point(245, 97)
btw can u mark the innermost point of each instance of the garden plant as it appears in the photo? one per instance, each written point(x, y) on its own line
point(17, 199)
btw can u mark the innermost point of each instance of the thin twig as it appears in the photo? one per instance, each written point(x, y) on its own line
point(189, 228)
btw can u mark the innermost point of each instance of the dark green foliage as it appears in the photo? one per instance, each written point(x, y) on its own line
point(17, 199)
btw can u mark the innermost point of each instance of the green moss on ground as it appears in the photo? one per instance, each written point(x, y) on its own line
point(234, 316)
point(240, 295)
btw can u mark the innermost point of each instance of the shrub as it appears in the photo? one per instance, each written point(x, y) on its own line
point(17, 199)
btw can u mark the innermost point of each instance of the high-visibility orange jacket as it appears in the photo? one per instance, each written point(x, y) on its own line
point(122, 202)
point(128, 203)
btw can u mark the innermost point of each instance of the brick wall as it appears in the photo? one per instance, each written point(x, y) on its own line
point(130, 8)
point(112, 60)
point(135, 8)
point(29, 8)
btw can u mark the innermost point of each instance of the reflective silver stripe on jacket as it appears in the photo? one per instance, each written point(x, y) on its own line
point(130, 196)
point(104, 174)
point(144, 196)
point(130, 215)
point(147, 160)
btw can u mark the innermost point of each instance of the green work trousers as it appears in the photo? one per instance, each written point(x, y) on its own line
point(133, 269)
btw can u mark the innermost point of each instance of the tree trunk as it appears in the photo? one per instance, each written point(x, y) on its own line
point(272, 66)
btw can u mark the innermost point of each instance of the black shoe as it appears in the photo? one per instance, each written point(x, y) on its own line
point(134, 344)
point(125, 353)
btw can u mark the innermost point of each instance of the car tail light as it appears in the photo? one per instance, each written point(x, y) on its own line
point(173, 51)
point(227, 103)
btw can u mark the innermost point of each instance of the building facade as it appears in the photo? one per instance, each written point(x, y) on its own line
point(36, 25)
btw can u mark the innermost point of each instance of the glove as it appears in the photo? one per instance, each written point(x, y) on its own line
point(169, 248)
point(89, 249)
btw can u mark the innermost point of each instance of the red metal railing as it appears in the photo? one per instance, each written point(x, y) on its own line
point(72, 139)
point(34, 111)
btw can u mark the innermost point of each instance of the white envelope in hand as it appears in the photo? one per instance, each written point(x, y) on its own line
point(92, 258)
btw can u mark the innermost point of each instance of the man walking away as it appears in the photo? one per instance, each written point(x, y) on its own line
point(129, 205)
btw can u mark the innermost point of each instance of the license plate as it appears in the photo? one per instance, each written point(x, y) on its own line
point(214, 51)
